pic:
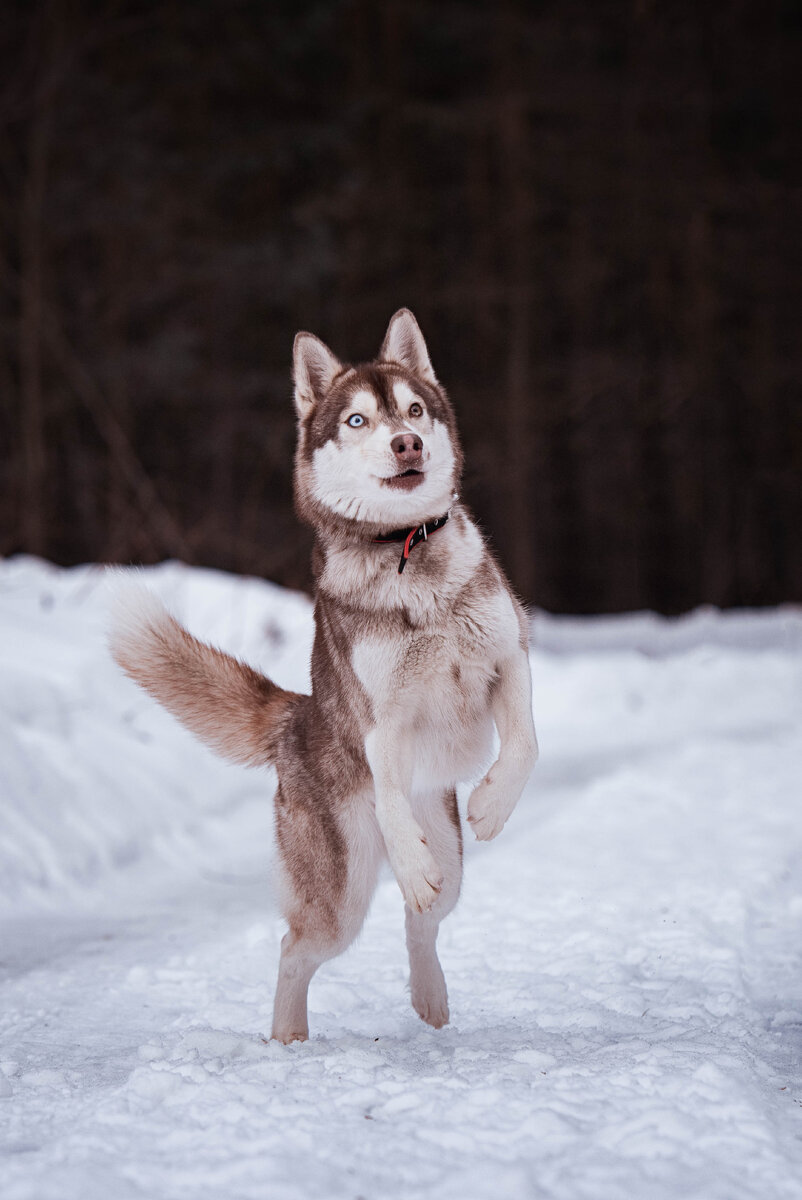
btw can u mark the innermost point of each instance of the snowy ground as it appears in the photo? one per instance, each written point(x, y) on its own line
point(624, 968)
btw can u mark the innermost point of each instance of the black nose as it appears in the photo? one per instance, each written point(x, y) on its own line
point(408, 448)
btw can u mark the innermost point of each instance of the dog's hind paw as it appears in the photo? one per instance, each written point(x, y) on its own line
point(429, 996)
point(432, 1010)
point(288, 1036)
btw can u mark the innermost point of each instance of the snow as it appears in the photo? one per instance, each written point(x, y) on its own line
point(624, 966)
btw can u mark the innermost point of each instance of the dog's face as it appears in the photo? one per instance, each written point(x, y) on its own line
point(377, 443)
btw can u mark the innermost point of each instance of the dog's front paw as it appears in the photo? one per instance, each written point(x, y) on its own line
point(418, 875)
point(489, 806)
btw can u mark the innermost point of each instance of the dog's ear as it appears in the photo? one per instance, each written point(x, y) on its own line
point(313, 369)
point(403, 343)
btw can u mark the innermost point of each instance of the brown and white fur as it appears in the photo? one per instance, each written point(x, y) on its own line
point(410, 672)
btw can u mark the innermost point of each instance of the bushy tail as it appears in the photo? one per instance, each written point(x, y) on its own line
point(227, 704)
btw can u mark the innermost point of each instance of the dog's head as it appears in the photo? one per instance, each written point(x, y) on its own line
point(377, 442)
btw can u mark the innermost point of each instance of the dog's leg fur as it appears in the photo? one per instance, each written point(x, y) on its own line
point(441, 823)
point(389, 755)
point(300, 958)
point(329, 878)
point(493, 800)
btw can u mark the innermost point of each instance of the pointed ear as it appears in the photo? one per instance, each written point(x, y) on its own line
point(403, 343)
point(313, 369)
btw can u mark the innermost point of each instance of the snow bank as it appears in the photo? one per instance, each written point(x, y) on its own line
point(94, 777)
point(624, 966)
point(654, 635)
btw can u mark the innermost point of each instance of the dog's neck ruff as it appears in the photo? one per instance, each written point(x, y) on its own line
point(412, 537)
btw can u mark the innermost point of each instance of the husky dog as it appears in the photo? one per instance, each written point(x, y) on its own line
point(420, 648)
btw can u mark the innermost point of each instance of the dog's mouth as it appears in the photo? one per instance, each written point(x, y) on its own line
point(405, 481)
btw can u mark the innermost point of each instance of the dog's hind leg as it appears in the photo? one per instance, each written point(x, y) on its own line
point(440, 821)
point(300, 958)
point(330, 865)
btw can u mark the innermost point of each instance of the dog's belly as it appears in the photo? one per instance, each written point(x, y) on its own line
point(451, 730)
point(436, 689)
point(443, 756)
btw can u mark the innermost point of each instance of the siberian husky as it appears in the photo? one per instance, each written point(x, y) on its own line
point(420, 648)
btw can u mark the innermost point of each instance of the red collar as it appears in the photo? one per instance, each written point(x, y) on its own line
point(411, 537)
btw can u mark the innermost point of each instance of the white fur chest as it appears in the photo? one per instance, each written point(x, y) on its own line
point(435, 683)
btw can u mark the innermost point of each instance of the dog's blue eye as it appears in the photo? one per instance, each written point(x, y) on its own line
point(355, 420)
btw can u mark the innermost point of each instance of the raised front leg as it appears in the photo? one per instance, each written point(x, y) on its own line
point(414, 866)
point(493, 800)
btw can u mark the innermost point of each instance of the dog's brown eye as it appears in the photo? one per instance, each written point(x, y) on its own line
point(355, 420)
point(415, 410)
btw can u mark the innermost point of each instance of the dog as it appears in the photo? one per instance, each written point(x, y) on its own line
point(420, 649)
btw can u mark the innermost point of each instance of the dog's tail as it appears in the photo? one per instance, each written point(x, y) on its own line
point(227, 704)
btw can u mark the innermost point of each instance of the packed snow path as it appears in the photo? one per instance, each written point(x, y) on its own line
point(624, 966)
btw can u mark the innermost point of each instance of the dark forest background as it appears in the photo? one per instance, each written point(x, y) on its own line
point(593, 208)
